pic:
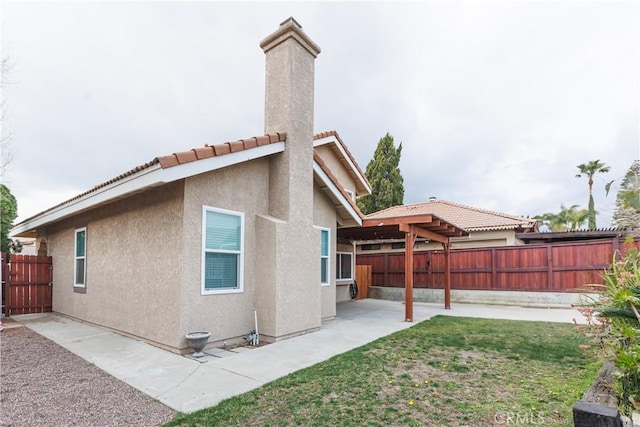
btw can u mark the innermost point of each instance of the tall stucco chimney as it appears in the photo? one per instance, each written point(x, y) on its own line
point(288, 294)
point(290, 56)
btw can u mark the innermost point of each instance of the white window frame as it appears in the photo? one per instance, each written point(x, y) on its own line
point(339, 265)
point(240, 287)
point(328, 256)
point(76, 258)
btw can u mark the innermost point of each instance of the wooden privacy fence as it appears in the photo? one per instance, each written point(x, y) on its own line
point(556, 267)
point(26, 286)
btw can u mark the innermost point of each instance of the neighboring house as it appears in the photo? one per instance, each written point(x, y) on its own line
point(200, 239)
point(486, 228)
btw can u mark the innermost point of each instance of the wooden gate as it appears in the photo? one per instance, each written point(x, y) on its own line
point(363, 279)
point(5, 282)
point(26, 286)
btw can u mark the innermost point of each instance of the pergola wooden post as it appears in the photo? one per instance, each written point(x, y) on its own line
point(411, 233)
point(426, 226)
point(447, 276)
point(409, 241)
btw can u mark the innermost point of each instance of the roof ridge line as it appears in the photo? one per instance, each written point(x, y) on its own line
point(501, 214)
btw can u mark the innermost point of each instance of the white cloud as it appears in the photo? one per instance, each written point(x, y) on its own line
point(495, 102)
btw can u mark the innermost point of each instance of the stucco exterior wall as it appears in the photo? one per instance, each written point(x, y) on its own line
point(289, 94)
point(132, 266)
point(324, 215)
point(337, 167)
point(267, 264)
point(242, 188)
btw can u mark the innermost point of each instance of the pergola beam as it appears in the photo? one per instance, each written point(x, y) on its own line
point(417, 219)
point(421, 232)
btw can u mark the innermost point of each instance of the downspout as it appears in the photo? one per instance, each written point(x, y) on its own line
point(255, 318)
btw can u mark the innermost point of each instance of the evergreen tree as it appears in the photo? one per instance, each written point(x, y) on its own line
point(627, 212)
point(589, 170)
point(8, 212)
point(385, 178)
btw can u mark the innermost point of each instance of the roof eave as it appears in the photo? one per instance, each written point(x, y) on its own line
point(336, 193)
point(144, 179)
point(361, 178)
point(140, 181)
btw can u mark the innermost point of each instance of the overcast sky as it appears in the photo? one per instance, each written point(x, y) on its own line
point(495, 103)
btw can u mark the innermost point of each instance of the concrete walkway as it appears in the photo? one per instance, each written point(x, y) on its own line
point(187, 385)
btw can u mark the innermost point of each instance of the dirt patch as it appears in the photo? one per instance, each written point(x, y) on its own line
point(43, 384)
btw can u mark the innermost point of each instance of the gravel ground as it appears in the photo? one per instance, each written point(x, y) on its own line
point(43, 384)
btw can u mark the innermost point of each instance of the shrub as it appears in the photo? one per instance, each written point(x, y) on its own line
point(613, 324)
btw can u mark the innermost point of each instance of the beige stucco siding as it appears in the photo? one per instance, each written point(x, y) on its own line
point(324, 215)
point(337, 167)
point(132, 267)
point(289, 92)
point(241, 188)
point(266, 296)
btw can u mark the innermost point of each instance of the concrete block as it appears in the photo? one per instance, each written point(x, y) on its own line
point(587, 414)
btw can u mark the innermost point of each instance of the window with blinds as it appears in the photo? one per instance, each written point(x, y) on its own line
point(324, 256)
point(222, 235)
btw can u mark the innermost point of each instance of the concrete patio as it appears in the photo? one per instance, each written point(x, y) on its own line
point(187, 385)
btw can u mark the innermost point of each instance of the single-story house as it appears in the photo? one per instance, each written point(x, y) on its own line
point(485, 228)
point(201, 239)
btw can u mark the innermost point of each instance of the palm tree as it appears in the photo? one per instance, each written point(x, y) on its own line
point(551, 221)
point(590, 169)
point(574, 217)
point(571, 218)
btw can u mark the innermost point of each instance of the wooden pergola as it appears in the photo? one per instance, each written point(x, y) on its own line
point(388, 226)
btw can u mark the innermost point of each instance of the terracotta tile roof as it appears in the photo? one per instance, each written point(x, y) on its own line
point(346, 150)
point(176, 159)
point(465, 217)
point(318, 159)
point(218, 149)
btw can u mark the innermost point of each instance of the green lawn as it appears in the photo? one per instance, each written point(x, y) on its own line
point(444, 371)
